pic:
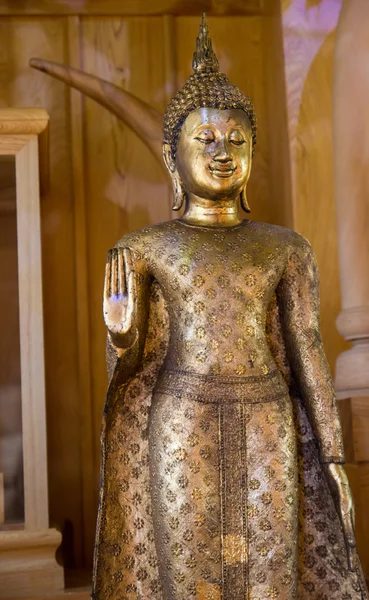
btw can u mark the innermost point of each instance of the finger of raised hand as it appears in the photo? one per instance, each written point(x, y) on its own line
point(132, 298)
point(130, 274)
point(122, 279)
point(107, 280)
point(114, 273)
point(128, 262)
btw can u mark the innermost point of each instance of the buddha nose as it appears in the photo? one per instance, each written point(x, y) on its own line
point(222, 153)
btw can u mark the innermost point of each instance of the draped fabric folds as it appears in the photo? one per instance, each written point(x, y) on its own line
point(235, 503)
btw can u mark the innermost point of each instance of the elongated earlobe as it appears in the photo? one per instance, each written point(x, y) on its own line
point(244, 203)
point(178, 189)
point(179, 193)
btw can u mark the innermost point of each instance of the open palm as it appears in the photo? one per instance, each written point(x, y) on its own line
point(119, 305)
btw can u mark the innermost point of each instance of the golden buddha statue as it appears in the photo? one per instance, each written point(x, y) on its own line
point(222, 456)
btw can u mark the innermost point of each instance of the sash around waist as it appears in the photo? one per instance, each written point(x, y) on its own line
point(220, 389)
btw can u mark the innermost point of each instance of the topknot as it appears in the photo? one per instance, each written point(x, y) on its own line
point(206, 87)
point(204, 58)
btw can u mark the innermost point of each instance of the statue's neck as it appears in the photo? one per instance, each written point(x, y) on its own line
point(212, 213)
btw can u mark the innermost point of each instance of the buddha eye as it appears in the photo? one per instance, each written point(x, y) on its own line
point(237, 140)
point(205, 140)
point(205, 137)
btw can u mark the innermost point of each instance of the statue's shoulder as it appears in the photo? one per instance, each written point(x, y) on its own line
point(146, 235)
point(284, 236)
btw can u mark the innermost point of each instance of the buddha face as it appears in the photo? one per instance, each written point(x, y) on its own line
point(214, 152)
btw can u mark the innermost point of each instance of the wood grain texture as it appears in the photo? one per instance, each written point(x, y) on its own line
point(27, 556)
point(355, 417)
point(277, 123)
point(359, 420)
point(76, 594)
point(351, 89)
point(15, 121)
point(13, 144)
point(20, 39)
point(125, 187)
point(308, 34)
point(143, 119)
point(11, 455)
point(2, 500)
point(31, 337)
point(131, 7)
point(22, 289)
point(27, 562)
point(87, 446)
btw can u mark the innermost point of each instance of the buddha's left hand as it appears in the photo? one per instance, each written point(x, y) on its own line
point(340, 488)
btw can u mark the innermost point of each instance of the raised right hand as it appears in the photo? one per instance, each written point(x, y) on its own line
point(120, 299)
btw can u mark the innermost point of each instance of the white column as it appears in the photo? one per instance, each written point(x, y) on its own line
point(351, 172)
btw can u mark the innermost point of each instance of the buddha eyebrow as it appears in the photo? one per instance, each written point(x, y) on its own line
point(204, 127)
point(238, 129)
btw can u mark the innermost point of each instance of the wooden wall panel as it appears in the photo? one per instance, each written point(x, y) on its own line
point(308, 49)
point(277, 121)
point(87, 446)
point(125, 186)
point(20, 86)
point(128, 8)
point(315, 215)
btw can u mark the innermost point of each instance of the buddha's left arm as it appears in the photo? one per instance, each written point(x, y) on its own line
point(298, 299)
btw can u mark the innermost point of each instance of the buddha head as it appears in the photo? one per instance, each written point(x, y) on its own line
point(209, 126)
point(209, 133)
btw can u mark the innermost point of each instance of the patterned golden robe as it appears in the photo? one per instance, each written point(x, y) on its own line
point(216, 425)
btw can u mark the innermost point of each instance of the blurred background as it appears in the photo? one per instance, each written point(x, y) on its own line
point(105, 182)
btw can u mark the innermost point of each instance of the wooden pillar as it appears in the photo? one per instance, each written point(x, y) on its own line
point(28, 546)
point(351, 168)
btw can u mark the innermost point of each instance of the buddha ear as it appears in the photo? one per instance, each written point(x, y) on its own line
point(243, 198)
point(244, 203)
point(168, 158)
point(178, 189)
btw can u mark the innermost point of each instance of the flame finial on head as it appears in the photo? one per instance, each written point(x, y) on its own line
point(204, 57)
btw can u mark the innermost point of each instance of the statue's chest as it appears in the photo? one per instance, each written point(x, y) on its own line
point(220, 265)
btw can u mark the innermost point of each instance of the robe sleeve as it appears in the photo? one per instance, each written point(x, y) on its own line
point(298, 299)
